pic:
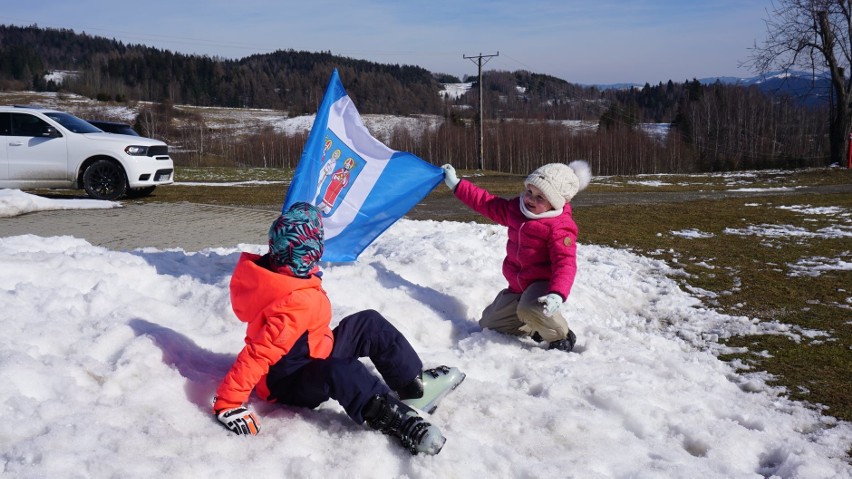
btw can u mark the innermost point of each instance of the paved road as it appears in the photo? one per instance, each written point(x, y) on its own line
point(193, 227)
point(189, 226)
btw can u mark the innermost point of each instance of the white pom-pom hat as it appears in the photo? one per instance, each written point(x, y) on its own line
point(559, 182)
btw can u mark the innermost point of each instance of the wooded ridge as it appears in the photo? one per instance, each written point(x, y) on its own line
point(713, 127)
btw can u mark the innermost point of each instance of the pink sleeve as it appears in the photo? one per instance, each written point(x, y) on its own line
point(483, 202)
point(563, 258)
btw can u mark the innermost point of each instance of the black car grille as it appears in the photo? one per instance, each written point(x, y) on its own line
point(158, 150)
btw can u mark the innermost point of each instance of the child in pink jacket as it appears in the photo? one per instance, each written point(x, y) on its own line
point(541, 252)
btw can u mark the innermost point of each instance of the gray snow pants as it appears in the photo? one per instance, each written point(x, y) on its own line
point(522, 314)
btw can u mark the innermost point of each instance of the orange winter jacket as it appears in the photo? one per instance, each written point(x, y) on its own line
point(279, 309)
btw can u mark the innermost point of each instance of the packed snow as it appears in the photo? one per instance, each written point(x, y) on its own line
point(16, 202)
point(109, 360)
point(454, 91)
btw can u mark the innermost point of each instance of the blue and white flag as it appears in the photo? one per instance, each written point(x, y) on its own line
point(360, 186)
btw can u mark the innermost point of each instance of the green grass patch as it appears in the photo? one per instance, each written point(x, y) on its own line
point(758, 259)
point(722, 181)
point(231, 174)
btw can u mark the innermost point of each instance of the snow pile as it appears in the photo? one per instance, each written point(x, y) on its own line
point(109, 360)
point(16, 202)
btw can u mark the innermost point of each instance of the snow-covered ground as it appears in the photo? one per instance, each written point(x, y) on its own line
point(454, 91)
point(109, 360)
point(255, 119)
point(16, 202)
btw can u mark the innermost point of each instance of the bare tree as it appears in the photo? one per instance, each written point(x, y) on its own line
point(815, 35)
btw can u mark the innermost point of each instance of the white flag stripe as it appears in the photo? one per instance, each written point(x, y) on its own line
point(345, 122)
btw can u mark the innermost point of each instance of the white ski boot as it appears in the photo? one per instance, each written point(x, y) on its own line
point(427, 390)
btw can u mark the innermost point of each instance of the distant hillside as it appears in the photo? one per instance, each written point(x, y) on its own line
point(810, 89)
point(293, 81)
point(288, 80)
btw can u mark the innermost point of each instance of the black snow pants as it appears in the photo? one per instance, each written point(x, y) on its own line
point(300, 380)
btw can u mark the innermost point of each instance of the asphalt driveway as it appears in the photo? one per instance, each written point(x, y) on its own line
point(191, 227)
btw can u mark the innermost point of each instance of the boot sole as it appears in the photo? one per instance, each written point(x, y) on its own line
point(431, 405)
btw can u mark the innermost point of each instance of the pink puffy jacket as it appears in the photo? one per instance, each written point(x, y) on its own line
point(542, 249)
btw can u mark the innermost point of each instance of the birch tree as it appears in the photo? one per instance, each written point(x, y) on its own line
point(815, 35)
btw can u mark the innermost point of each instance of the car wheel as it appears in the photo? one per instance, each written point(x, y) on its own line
point(140, 192)
point(104, 180)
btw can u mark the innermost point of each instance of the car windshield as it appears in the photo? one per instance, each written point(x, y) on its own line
point(73, 123)
point(126, 130)
point(111, 127)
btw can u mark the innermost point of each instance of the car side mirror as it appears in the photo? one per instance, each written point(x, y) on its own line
point(50, 132)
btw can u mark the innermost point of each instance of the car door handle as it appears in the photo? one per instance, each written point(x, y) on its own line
point(15, 143)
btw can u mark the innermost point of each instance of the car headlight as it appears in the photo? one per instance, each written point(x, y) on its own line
point(136, 150)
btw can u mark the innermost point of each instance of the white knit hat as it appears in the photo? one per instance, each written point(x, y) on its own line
point(560, 182)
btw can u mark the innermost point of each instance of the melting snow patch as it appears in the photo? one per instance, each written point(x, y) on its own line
point(812, 210)
point(817, 265)
point(790, 231)
point(692, 234)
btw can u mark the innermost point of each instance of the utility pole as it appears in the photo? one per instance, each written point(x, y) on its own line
point(479, 64)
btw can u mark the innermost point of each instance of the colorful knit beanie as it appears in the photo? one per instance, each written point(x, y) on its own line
point(295, 240)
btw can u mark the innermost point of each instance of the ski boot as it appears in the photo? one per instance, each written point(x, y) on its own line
point(427, 390)
point(390, 416)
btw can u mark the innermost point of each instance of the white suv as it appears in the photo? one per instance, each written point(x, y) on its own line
point(43, 148)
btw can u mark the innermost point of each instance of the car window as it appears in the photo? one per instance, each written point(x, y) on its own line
point(5, 124)
point(114, 127)
point(27, 125)
point(73, 123)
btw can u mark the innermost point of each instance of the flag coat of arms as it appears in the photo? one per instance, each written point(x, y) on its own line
point(360, 186)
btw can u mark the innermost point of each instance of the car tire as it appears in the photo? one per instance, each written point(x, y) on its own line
point(105, 180)
point(140, 192)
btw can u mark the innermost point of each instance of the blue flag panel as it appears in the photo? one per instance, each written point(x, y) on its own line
point(360, 186)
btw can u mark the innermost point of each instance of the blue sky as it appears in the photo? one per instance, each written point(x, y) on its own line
point(587, 42)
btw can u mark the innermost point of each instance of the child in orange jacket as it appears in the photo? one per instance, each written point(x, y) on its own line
point(292, 356)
